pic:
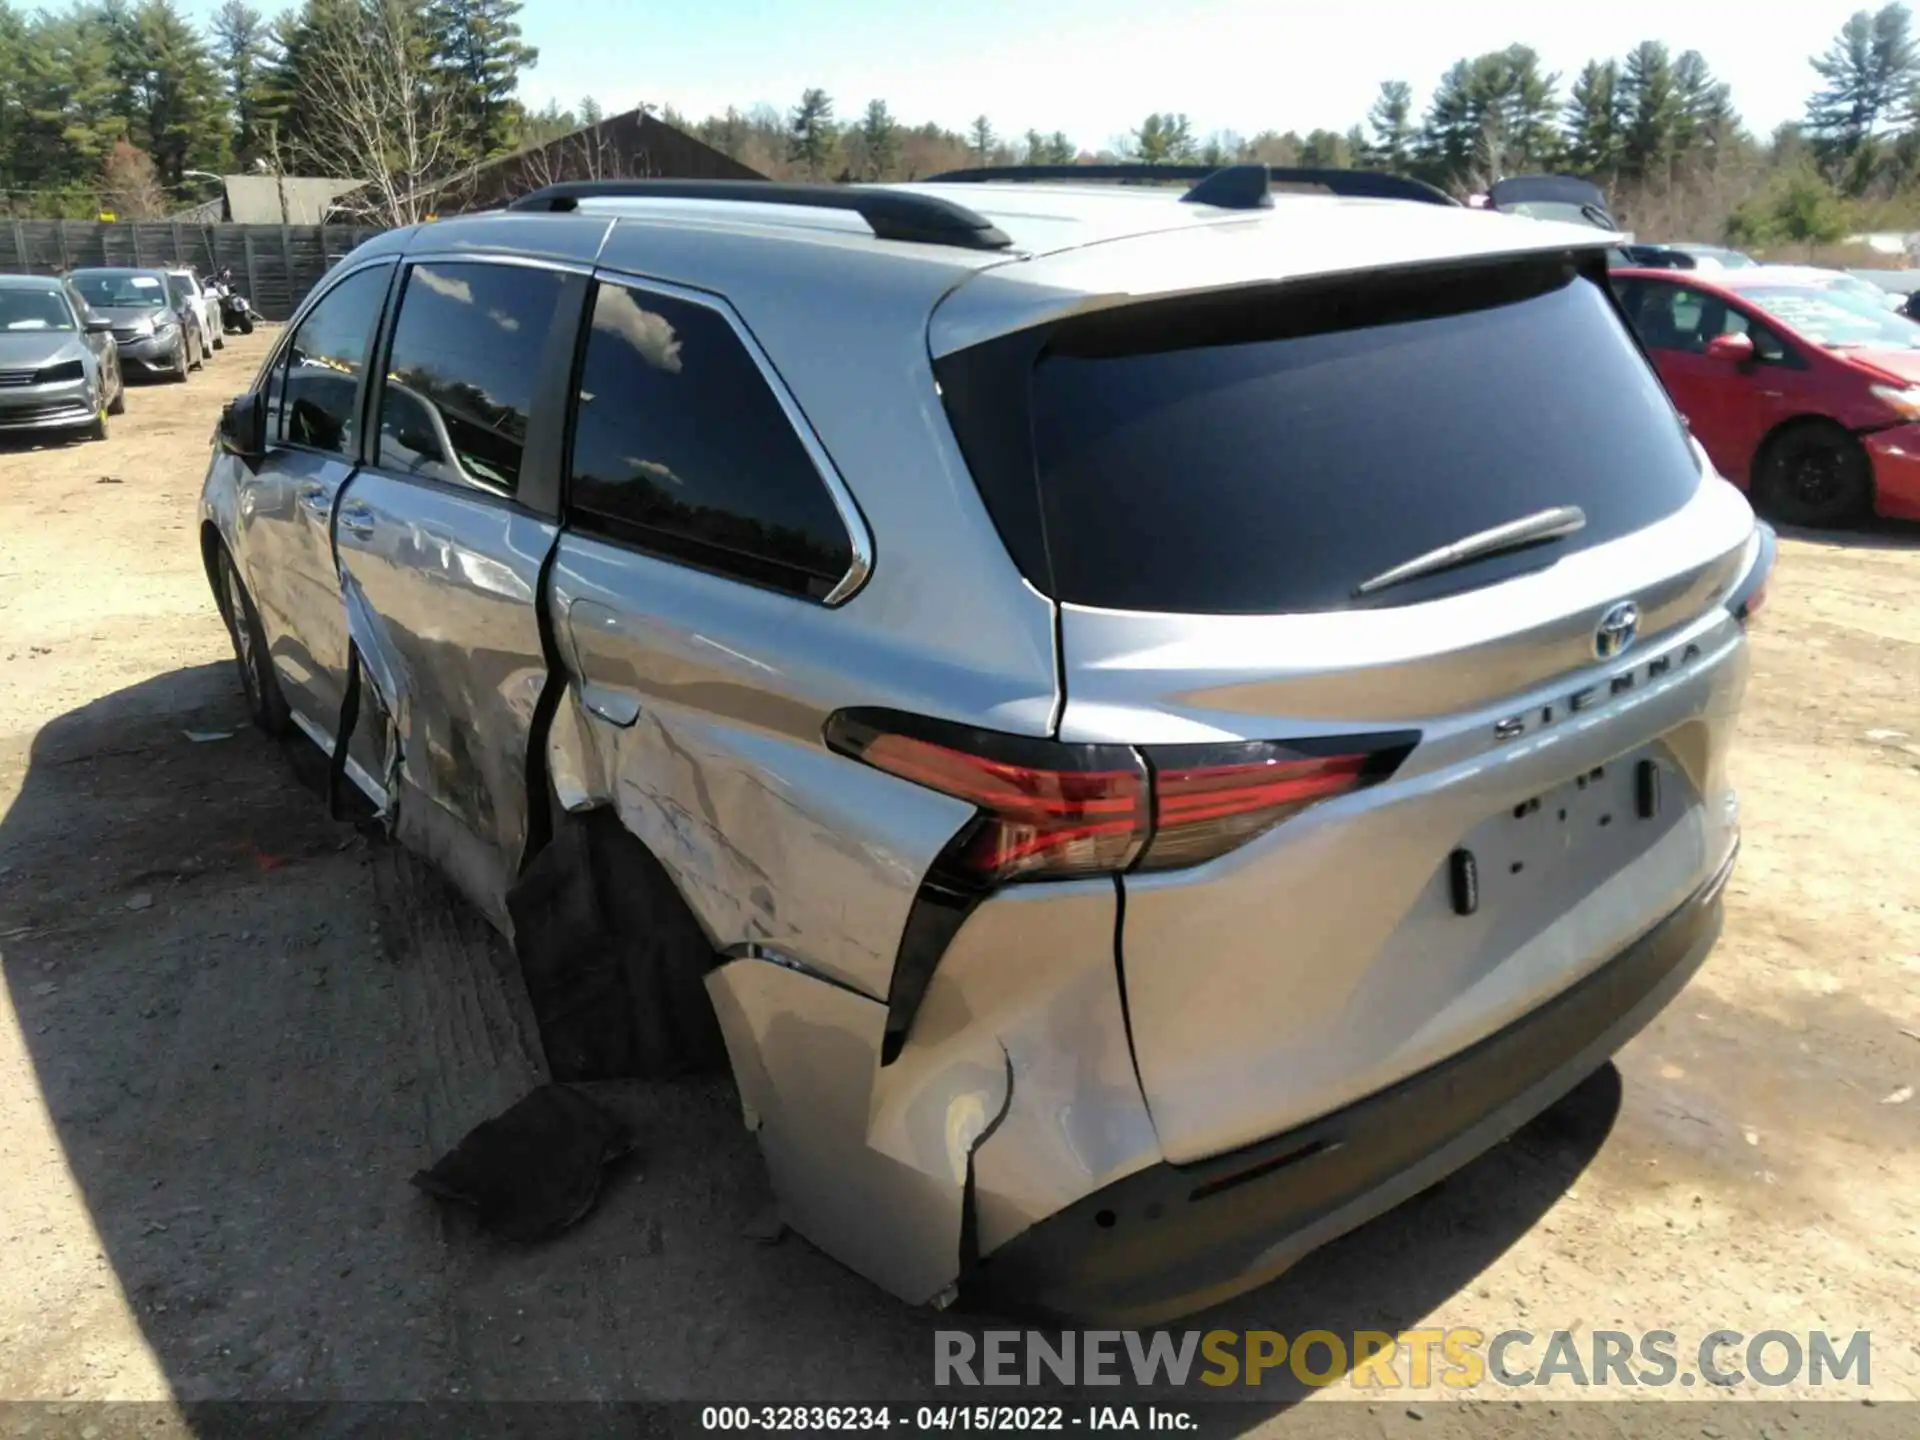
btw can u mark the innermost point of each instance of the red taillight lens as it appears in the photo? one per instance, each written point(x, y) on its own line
point(1052, 810)
point(1046, 809)
point(1207, 808)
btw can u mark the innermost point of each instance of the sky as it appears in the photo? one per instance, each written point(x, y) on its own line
point(1094, 68)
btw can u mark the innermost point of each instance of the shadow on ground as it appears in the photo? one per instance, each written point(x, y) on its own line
point(1873, 534)
point(251, 1024)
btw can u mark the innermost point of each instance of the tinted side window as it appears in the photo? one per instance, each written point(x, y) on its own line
point(462, 371)
point(679, 447)
point(322, 371)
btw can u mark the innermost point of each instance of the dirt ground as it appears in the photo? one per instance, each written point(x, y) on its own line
point(231, 1029)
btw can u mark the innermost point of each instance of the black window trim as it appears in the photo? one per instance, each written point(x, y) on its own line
point(333, 280)
point(543, 462)
point(859, 537)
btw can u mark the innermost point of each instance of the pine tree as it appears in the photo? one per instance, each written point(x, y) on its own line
point(1652, 104)
point(1392, 133)
point(479, 55)
point(1869, 74)
point(981, 139)
point(1491, 116)
point(240, 52)
point(1705, 122)
point(880, 140)
point(283, 112)
point(1060, 150)
point(71, 119)
point(173, 95)
point(810, 133)
point(1596, 121)
point(14, 118)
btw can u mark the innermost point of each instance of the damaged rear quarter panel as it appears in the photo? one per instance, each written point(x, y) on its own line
point(696, 710)
point(1017, 1074)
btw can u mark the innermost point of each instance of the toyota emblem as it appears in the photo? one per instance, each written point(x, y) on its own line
point(1616, 630)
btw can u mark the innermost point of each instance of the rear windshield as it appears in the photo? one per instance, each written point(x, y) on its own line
point(1270, 456)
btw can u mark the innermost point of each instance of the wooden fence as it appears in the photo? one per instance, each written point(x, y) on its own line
point(274, 266)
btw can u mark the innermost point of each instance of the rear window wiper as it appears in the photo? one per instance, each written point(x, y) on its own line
point(1513, 535)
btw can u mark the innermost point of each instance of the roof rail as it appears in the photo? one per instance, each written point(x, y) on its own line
point(893, 214)
point(1232, 187)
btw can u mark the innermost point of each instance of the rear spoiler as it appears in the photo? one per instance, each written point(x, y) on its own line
point(1582, 196)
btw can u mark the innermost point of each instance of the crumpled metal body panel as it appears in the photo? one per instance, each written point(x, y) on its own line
point(1029, 977)
point(441, 594)
point(721, 767)
point(804, 1055)
point(1017, 1073)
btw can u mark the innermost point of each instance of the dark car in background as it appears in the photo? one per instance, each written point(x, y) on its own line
point(155, 323)
point(59, 369)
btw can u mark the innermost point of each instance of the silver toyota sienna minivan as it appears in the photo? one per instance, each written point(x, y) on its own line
point(1144, 725)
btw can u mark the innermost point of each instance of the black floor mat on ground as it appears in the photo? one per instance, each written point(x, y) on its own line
point(535, 1169)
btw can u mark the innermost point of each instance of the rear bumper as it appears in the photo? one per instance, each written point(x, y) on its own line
point(1896, 471)
point(1171, 1239)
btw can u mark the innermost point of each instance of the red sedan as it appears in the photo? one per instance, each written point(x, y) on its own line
point(1807, 397)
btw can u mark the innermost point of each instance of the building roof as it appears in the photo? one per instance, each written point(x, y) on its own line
point(270, 200)
point(630, 145)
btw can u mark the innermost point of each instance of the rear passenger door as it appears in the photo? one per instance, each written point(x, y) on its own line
point(442, 539)
point(708, 539)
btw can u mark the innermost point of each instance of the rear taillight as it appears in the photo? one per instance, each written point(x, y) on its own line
point(1210, 799)
point(1751, 593)
point(1043, 808)
point(1052, 810)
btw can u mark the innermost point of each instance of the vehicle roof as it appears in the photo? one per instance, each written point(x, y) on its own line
point(1074, 247)
point(115, 270)
point(30, 282)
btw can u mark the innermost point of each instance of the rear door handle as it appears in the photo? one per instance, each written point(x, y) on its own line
point(356, 518)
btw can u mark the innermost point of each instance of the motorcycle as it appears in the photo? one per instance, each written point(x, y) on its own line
point(236, 315)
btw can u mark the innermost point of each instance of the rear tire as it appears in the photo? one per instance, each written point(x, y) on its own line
point(614, 961)
point(266, 706)
point(1814, 475)
point(179, 362)
point(245, 325)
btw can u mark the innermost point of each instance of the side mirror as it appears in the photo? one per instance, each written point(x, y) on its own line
point(1733, 349)
point(99, 325)
point(243, 427)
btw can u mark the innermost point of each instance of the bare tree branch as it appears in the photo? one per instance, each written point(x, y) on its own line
point(377, 116)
